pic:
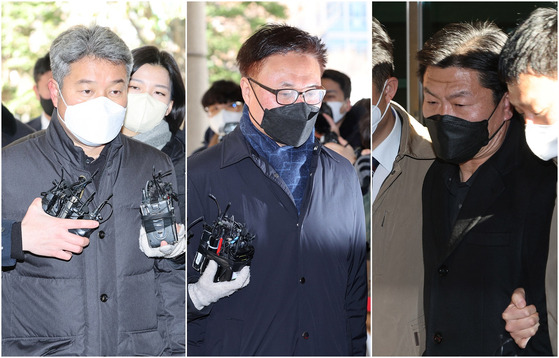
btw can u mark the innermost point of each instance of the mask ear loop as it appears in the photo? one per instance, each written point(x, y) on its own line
point(381, 92)
point(385, 110)
point(491, 115)
point(61, 96)
point(379, 99)
point(255, 96)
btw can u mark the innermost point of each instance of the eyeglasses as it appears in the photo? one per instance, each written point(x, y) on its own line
point(229, 106)
point(311, 96)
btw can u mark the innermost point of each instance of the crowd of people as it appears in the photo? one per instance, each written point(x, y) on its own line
point(313, 225)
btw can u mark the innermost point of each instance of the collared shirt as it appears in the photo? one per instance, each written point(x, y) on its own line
point(458, 191)
point(44, 121)
point(386, 153)
point(96, 166)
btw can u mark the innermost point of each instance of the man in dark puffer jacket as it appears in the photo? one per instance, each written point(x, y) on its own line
point(111, 299)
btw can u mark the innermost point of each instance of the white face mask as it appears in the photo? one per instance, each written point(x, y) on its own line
point(143, 112)
point(542, 139)
point(94, 122)
point(336, 110)
point(221, 118)
point(377, 116)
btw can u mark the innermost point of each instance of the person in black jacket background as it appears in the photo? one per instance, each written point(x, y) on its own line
point(42, 74)
point(12, 128)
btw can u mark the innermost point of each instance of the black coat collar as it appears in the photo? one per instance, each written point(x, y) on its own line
point(486, 188)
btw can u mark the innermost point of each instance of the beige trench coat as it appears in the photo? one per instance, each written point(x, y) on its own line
point(397, 301)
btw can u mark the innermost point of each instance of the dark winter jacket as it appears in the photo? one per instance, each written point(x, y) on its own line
point(308, 286)
point(109, 300)
point(12, 128)
point(175, 149)
point(499, 242)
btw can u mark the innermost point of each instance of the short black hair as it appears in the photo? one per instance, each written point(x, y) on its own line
point(341, 78)
point(153, 56)
point(531, 47)
point(383, 55)
point(364, 122)
point(222, 91)
point(272, 39)
point(474, 46)
point(41, 67)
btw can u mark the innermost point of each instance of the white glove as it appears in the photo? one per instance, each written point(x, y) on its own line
point(167, 251)
point(206, 291)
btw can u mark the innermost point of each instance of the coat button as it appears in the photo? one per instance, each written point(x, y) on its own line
point(104, 298)
point(443, 271)
point(438, 338)
point(101, 234)
point(305, 335)
point(302, 280)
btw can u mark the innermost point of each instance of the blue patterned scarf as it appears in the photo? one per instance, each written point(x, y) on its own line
point(292, 164)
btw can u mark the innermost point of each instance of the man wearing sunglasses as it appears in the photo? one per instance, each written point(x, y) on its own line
point(306, 288)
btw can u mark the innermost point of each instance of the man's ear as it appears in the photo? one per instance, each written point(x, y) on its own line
point(245, 90)
point(346, 106)
point(507, 107)
point(36, 90)
point(390, 89)
point(53, 89)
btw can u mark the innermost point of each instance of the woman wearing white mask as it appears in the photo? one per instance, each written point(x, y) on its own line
point(156, 107)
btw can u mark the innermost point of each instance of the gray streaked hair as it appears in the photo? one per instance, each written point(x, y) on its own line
point(79, 41)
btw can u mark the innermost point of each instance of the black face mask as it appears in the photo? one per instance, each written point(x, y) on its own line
point(47, 105)
point(456, 140)
point(290, 124)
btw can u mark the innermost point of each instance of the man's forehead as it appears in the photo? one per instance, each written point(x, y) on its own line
point(458, 91)
point(331, 84)
point(290, 69)
point(90, 69)
point(333, 89)
point(517, 97)
point(454, 81)
point(533, 90)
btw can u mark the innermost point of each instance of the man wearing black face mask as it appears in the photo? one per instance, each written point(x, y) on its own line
point(308, 285)
point(42, 74)
point(487, 200)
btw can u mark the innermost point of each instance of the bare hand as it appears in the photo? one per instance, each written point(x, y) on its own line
point(522, 321)
point(45, 235)
point(333, 127)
